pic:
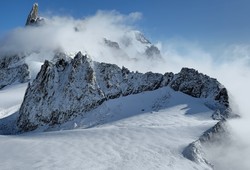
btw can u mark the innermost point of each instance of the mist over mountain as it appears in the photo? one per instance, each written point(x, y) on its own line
point(121, 82)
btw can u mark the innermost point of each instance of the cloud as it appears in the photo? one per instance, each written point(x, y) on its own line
point(229, 64)
point(135, 16)
point(69, 34)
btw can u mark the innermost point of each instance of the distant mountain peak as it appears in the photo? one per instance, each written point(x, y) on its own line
point(140, 37)
point(33, 17)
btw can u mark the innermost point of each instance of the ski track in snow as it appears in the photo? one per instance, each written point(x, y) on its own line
point(143, 131)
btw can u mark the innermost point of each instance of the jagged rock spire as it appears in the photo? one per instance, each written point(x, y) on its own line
point(33, 15)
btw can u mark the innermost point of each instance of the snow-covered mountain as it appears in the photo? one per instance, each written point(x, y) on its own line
point(63, 90)
point(101, 115)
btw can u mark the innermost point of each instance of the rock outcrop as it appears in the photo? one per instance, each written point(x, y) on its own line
point(193, 83)
point(194, 151)
point(13, 70)
point(66, 89)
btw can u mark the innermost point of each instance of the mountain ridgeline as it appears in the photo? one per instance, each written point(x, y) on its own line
point(63, 90)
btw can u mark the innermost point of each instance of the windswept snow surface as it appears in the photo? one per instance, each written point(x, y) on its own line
point(11, 98)
point(143, 131)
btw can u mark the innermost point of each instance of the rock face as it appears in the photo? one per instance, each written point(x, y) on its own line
point(13, 69)
point(33, 18)
point(66, 89)
point(193, 83)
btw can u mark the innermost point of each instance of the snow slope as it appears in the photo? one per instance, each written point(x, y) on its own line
point(143, 131)
point(11, 98)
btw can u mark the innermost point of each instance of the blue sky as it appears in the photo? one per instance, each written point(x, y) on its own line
point(207, 21)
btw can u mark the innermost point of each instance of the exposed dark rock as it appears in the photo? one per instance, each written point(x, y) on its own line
point(13, 70)
point(193, 83)
point(190, 82)
point(194, 151)
point(223, 97)
point(212, 133)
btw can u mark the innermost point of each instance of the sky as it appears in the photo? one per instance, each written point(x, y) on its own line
point(210, 22)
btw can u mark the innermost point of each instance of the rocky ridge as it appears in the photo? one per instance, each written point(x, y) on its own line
point(66, 89)
point(194, 151)
point(13, 70)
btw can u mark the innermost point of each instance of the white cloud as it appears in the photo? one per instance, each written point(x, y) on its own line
point(135, 16)
point(68, 34)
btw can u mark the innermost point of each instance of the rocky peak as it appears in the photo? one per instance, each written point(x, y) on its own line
point(33, 18)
